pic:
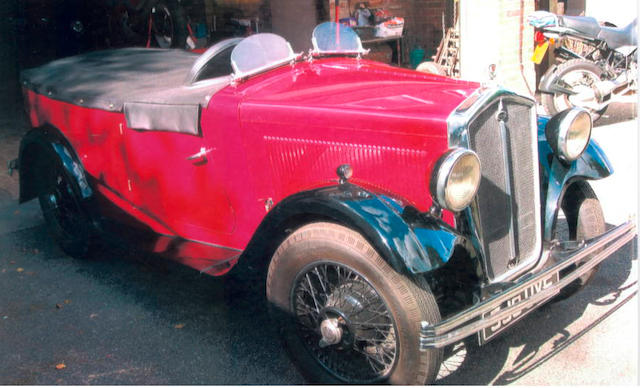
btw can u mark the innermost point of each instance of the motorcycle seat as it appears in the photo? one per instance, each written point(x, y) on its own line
point(618, 37)
point(587, 26)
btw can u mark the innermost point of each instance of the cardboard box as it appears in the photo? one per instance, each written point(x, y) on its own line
point(390, 28)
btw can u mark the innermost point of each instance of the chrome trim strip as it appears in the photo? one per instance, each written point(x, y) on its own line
point(470, 321)
point(215, 245)
point(507, 163)
point(458, 128)
point(206, 270)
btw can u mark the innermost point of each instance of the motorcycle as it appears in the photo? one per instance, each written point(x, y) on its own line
point(600, 72)
point(160, 23)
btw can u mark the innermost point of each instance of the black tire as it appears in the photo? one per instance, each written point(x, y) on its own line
point(66, 219)
point(356, 279)
point(577, 73)
point(169, 27)
point(584, 220)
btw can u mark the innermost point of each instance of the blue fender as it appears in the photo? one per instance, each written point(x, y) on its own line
point(39, 144)
point(556, 175)
point(408, 240)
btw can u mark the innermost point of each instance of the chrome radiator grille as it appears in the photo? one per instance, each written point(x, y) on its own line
point(506, 203)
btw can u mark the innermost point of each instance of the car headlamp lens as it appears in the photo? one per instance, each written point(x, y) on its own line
point(569, 133)
point(578, 135)
point(456, 179)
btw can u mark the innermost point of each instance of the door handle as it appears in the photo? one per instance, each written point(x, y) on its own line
point(201, 156)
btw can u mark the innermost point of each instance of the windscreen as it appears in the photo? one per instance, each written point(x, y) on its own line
point(334, 38)
point(260, 52)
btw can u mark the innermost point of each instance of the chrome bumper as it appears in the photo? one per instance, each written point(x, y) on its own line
point(474, 319)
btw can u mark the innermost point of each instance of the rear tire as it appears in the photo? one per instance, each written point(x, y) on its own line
point(66, 219)
point(579, 74)
point(326, 276)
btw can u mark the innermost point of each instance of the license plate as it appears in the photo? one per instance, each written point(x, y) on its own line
point(490, 332)
point(539, 52)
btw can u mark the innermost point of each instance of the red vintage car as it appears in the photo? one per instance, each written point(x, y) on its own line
point(398, 212)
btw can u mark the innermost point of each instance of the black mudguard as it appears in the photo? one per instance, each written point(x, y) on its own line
point(45, 145)
point(549, 82)
point(411, 242)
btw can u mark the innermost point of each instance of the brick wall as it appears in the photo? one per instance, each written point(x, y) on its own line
point(496, 32)
point(516, 45)
point(428, 22)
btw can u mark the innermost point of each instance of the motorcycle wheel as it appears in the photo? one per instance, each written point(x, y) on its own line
point(580, 75)
point(169, 25)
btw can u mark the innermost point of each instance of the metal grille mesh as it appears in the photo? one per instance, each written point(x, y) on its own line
point(505, 198)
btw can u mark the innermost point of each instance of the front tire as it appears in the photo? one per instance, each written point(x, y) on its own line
point(580, 76)
point(585, 220)
point(345, 315)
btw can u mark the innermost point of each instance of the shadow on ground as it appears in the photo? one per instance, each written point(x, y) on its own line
point(130, 319)
point(544, 332)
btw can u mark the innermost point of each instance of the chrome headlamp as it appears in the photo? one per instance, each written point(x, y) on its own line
point(569, 132)
point(455, 179)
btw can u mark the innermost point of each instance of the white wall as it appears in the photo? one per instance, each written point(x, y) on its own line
point(496, 32)
point(619, 12)
point(479, 30)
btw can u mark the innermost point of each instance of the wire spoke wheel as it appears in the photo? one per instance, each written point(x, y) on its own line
point(582, 82)
point(344, 322)
point(61, 205)
point(580, 78)
point(65, 217)
point(344, 315)
point(162, 26)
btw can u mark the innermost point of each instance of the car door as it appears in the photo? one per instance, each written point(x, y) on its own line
point(174, 172)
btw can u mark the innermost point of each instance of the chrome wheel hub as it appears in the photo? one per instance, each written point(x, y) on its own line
point(344, 323)
point(331, 332)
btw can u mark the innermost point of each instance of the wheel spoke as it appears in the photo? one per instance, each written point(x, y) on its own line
point(313, 295)
point(320, 280)
point(367, 346)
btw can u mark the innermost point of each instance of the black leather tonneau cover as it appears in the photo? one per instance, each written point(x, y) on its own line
point(107, 79)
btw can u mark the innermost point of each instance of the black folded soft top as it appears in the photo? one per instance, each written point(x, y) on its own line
point(109, 79)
